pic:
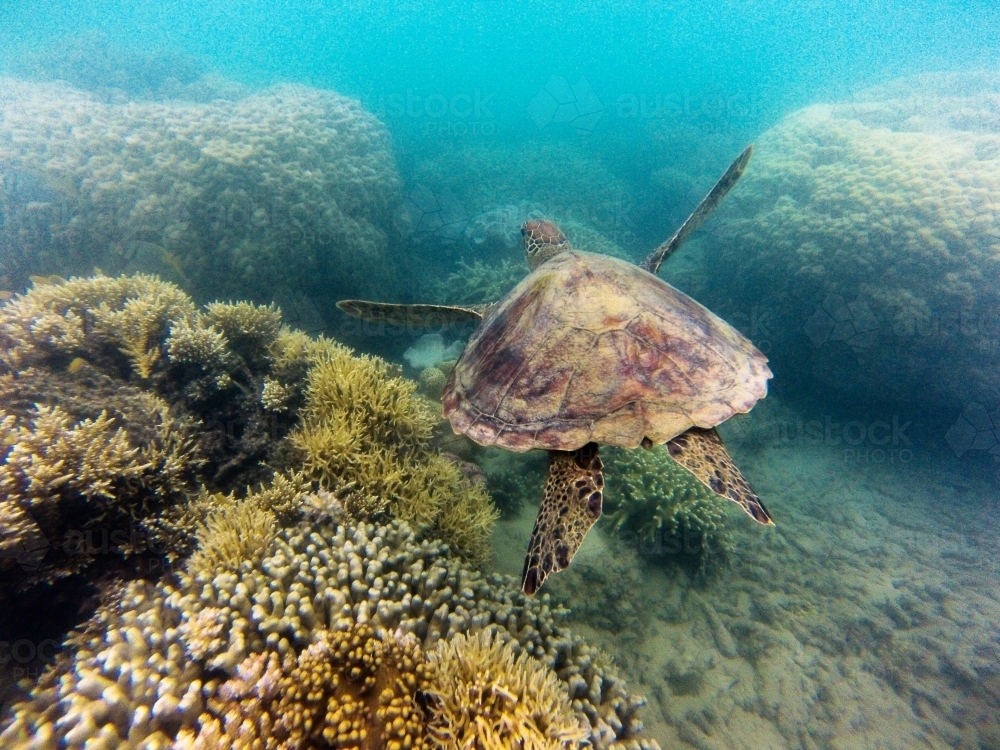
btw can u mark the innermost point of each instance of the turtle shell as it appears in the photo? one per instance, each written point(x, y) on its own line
point(592, 348)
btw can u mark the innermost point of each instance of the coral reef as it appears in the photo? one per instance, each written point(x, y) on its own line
point(670, 512)
point(155, 666)
point(108, 385)
point(348, 689)
point(499, 188)
point(288, 188)
point(869, 232)
point(487, 697)
point(363, 425)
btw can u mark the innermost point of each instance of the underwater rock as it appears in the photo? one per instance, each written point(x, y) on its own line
point(289, 188)
point(863, 244)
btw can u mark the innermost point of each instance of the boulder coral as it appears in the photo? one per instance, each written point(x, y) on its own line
point(211, 651)
point(865, 238)
point(290, 188)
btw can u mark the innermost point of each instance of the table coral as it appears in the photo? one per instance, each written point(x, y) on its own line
point(290, 187)
point(866, 237)
point(151, 669)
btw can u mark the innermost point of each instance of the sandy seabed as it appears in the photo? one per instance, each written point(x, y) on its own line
point(868, 618)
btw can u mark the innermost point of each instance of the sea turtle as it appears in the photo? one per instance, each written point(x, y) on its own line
point(590, 349)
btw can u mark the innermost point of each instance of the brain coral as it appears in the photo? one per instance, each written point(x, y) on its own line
point(287, 188)
point(159, 663)
point(865, 239)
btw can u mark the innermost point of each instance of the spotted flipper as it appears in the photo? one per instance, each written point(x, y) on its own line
point(570, 506)
point(412, 316)
point(702, 453)
point(702, 211)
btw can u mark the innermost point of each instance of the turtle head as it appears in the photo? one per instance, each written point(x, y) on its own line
point(542, 240)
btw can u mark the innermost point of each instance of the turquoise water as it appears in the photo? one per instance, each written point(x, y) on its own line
point(297, 154)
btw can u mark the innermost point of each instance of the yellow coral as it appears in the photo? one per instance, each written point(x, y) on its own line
point(362, 424)
point(489, 698)
point(349, 689)
point(131, 312)
point(235, 533)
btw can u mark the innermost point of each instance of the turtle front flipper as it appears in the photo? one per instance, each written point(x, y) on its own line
point(412, 316)
point(703, 454)
point(702, 212)
point(574, 493)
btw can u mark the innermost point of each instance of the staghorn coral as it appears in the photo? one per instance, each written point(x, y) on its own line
point(147, 669)
point(235, 533)
point(250, 330)
point(649, 494)
point(76, 317)
point(870, 231)
point(487, 697)
point(287, 188)
point(149, 332)
point(362, 425)
point(59, 477)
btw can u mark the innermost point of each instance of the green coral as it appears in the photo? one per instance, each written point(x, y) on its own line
point(363, 424)
point(650, 495)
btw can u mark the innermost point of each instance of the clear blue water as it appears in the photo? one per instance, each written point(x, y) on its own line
point(861, 253)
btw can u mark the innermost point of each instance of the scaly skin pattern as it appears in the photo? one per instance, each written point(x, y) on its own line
point(589, 348)
point(574, 496)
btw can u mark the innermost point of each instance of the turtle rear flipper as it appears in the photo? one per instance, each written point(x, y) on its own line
point(703, 454)
point(412, 316)
point(570, 505)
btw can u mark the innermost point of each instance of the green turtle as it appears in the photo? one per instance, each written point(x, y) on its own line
point(588, 350)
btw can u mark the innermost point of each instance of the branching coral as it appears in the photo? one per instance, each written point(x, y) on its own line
point(363, 425)
point(131, 313)
point(649, 494)
point(147, 671)
point(487, 697)
point(49, 468)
